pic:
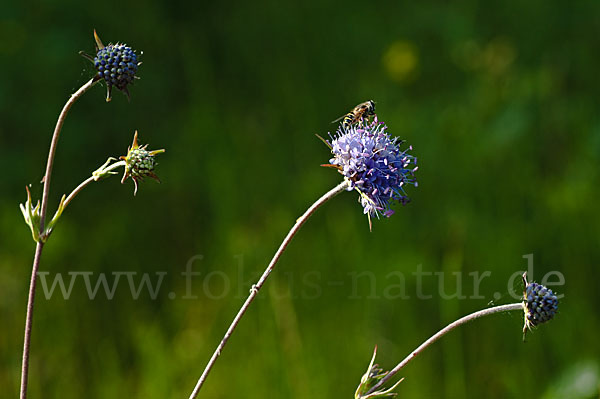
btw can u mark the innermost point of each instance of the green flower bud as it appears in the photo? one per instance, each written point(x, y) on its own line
point(139, 163)
point(373, 375)
point(32, 217)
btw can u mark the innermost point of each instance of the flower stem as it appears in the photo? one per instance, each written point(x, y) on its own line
point(89, 180)
point(40, 245)
point(53, 144)
point(256, 287)
point(27, 340)
point(441, 333)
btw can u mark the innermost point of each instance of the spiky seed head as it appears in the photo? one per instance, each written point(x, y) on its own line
point(139, 163)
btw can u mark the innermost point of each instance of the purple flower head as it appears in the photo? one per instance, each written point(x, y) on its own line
point(374, 165)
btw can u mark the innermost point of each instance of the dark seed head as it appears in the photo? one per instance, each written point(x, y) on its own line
point(110, 58)
point(541, 304)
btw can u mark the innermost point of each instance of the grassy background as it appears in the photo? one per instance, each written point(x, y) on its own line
point(498, 98)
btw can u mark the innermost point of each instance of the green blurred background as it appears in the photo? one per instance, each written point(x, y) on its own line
point(498, 98)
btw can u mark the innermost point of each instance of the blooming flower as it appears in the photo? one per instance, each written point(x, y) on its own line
point(540, 304)
point(139, 163)
point(373, 164)
point(116, 63)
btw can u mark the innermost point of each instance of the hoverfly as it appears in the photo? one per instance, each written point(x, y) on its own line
point(362, 110)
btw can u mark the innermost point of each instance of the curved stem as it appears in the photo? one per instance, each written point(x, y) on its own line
point(441, 333)
point(40, 244)
point(89, 180)
point(256, 287)
point(53, 144)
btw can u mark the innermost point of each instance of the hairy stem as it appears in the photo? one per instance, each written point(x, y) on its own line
point(256, 287)
point(40, 245)
point(441, 333)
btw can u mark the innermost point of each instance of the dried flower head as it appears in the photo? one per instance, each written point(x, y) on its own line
point(540, 304)
point(374, 165)
point(117, 64)
point(139, 163)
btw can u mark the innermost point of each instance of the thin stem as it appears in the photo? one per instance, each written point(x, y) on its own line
point(54, 143)
point(441, 333)
point(29, 319)
point(89, 180)
point(40, 244)
point(256, 287)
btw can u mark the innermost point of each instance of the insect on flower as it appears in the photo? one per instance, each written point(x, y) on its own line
point(374, 164)
point(358, 113)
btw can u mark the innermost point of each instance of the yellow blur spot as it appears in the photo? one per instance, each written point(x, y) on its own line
point(401, 61)
point(494, 58)
point(498, 56)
